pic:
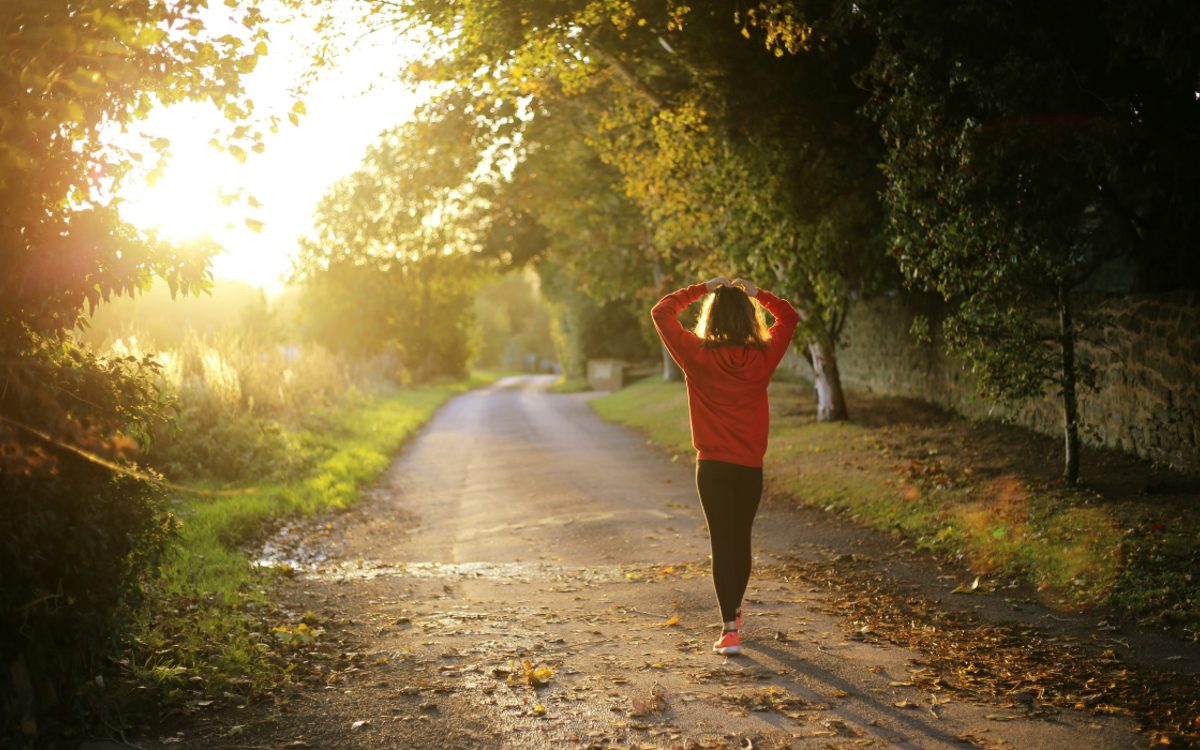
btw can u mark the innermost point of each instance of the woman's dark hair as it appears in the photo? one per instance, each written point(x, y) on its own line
point(731, 318)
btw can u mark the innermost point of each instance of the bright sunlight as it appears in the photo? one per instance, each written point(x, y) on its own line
point(206, 191)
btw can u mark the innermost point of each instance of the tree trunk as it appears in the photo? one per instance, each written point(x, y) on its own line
point(1070, 398)
point(831, 401)
point(671, 371)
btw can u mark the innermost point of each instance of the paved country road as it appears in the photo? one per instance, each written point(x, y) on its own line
point(518, 526)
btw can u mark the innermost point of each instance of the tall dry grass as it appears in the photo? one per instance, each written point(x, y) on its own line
point(247, 410)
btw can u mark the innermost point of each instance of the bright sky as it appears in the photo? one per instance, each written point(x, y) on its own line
point(290, 177)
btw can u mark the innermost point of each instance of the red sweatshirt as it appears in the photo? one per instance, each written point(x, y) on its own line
point(727, 386)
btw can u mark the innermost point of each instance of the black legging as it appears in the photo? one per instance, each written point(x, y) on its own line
point(730, 495)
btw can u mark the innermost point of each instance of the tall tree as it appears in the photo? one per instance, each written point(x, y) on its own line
point(74, 535)
point(593, 256)
point(389, 269)
point(1025, 153)
point(733, 155)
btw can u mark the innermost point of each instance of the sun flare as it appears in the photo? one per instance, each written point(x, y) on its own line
point(186, 202)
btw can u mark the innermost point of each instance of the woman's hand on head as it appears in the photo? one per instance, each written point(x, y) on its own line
point(712, 284)
point(751, 290)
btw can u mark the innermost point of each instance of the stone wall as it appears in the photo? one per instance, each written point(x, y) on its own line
point(1148, 401)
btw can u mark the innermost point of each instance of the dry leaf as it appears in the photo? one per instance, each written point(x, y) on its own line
point(965, 589)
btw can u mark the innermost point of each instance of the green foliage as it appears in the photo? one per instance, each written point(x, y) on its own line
point(511, 321)
point(72, 75)
point(69, 73)
point(390, 268)
point(585, 329)
point(417, 314)
point(1017, 169)
point(657, 142)
point(74, 538)
point(242, 408)
point(75, 544)
point(589, 247)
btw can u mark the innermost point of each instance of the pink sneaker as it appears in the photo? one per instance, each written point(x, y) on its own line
point(728, 644)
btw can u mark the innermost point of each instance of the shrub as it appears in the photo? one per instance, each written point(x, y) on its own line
point(247, 411)
point(74, 544)
point(75, 537)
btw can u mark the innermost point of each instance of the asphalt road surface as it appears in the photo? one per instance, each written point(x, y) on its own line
point(518, 526)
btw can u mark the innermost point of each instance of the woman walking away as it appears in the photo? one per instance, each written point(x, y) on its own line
point(728, 362)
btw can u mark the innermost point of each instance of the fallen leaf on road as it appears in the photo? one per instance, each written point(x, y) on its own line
point(1001, 717)
point(673, 621)
point(535, 676)
point(975, 588)
point(909, 704)
point(360, 724)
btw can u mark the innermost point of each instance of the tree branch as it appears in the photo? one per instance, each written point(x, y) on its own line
point(115, 467)
point(626, 74)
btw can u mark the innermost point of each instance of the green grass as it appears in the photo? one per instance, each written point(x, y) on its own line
point(656, 407)
point(200, 617)
point(565, 385)
point(1122, 552)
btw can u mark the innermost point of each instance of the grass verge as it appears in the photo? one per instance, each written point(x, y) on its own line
point(204, 636)
point(565, 385)
point(985, 493)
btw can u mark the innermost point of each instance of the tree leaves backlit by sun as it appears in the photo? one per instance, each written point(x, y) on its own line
point(664, 107)
point(73, 77)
